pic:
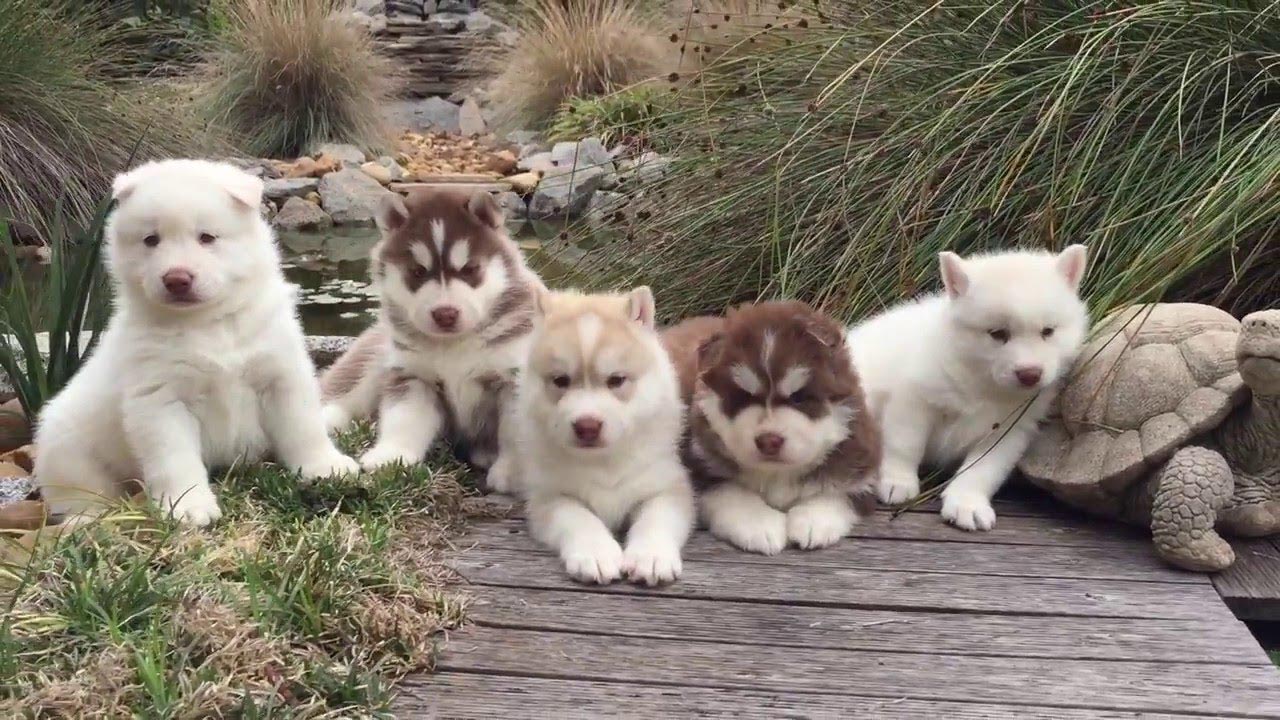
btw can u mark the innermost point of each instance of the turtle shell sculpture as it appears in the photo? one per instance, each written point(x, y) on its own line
point(1171, 419)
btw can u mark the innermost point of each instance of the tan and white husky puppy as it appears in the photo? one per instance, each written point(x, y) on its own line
point(457, 304)
point(599, 421)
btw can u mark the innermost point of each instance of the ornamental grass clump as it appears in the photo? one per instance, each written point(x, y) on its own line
point(834, 164)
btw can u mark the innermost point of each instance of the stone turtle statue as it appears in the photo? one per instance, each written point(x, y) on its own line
point(1171, 420)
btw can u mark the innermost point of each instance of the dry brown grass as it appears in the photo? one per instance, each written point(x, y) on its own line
point(290, 74)
point(574, 48)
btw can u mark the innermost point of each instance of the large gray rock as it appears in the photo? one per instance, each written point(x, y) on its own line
point(283, 188)
point(537, 162)
point(369, 7)
point(565, 192)
point(351, 197)
point(589, 152)
point(604, 204)
point(346, 154)
point(470, 120)
point(648, 167)
point(433, 113)
point(521, 138)
point(513, 206)
point(299, 214)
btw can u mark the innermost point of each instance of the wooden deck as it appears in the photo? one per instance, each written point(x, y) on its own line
point(1047, 616)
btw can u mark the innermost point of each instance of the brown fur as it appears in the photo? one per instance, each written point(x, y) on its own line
point(705, 348)
point(364, 355)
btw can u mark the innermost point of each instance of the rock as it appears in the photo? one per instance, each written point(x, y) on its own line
point(267, 209)
point(470, 121)
point(377, 172)
point(299, 214)
point(20, 514)
point(325, 349)
point(538, 162)
point(350, 196)
point(326, 164)
point(370, 7)
point(303, 167)
point(433, 113)
point(455, 6)
point(480, 23)
point(15, 431)
point(531, 149)
point(513, 206)
point(565, 191)
point(345, 154)
point(503, 162)
point(524, 183)
point(603, 204)
point(313, 197)
point(446, 23)
point(521, 138)
point(648, 167)
point(589, 152)
point(278, 190)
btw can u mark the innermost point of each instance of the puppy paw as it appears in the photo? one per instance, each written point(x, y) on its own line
point(815, 526)
point(380, 456)
point(196, 506)
point(600, 564)
point(763, 531)
point(335, 418)
point(968, 510)
point(895, 489)
point(501, 477)
point(329, 464)
point(647, 563)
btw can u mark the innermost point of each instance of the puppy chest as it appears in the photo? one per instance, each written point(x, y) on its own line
point(956, 434)
point(228, 408)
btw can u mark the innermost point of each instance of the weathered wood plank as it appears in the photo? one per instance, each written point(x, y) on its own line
point(1220, 640)
point(1241, 690)
point(901, 554)
point(1251, 586)
point(875, 589)
point(459, 696)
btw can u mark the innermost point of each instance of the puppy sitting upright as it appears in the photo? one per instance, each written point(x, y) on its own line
point(780, 440)
point(203, 362)
point(962, 378)
point(599, 420)
point(457, 310)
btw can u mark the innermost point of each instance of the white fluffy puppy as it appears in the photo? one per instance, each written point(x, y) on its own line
point(599, 421)
point(203, 362)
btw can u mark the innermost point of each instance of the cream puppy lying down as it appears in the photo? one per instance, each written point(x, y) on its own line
point(203, 362)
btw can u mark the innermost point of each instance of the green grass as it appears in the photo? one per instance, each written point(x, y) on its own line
point(628, 116)
point(833, 161)
point(302, 601)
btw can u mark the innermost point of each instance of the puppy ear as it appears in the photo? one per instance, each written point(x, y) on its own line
point(392, 212)
point(826, 331)
point(124, 184)
point(954, 277)
point(641, 308)
point(709, 350)
point(243, 187)
point(486, 209)
point(1072, 263)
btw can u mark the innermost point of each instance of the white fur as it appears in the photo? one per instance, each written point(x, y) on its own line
point(172, 390)
point(946, 390)
point(579, 498)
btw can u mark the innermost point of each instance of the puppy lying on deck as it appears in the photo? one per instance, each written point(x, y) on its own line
point(598, 421)
point(780, 441)
point(203, 362)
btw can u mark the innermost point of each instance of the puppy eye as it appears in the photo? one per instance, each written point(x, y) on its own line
point(1001, 335)
point(616, 381)
point(207, 238)
point(1046, 333)
point(418, 272)
point(560, 381)
point(151, 240)
point(470, 270)
point(797, 397)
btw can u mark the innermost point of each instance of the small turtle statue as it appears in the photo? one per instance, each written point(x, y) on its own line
point(1171, 420)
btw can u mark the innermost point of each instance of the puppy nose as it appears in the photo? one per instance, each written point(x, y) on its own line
point(587, 429)
point(1029, 376)
point(446, 317)
point(770, 444)
point(178, 281)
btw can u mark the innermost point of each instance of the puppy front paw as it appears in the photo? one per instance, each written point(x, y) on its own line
point(380, 456)
point(501, 477)
point(968, 510)
point(599, 563)
point(329, 464)
point(651, 563)
point(762, 530)
point(197, 506)
point(335, 418)
point(897, 488)
point(812, 526)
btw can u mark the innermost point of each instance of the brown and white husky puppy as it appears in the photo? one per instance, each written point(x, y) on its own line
point(457, 305)
point(599, 421)
point(780, 441)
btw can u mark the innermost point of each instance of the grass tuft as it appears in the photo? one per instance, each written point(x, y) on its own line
point(577, 49)
point(300, 602)
point(834, 163)
point(288, 75)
